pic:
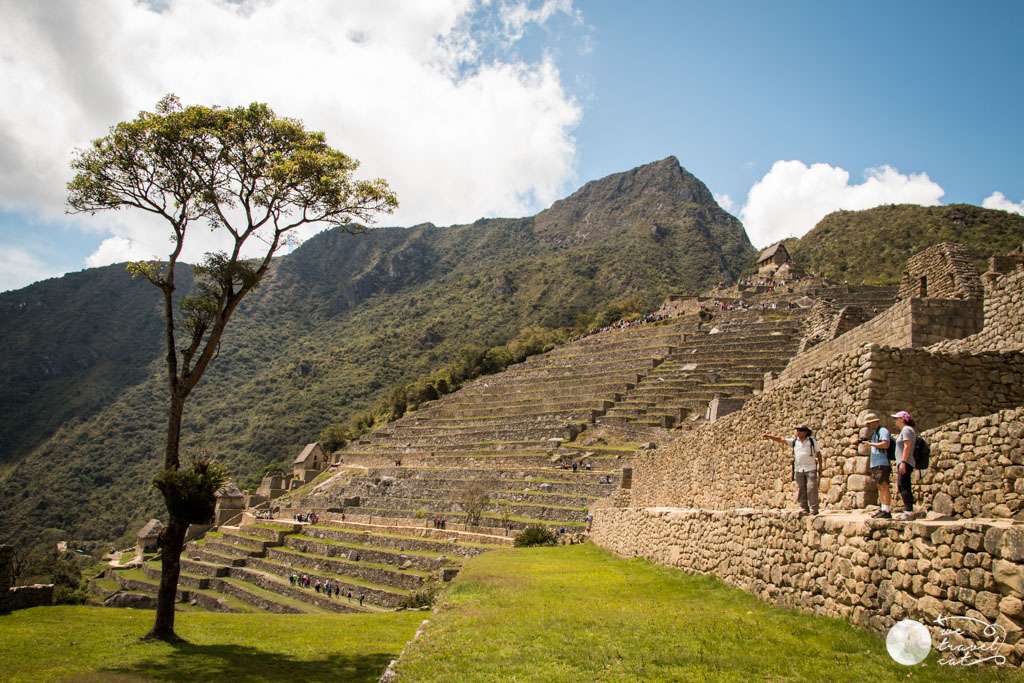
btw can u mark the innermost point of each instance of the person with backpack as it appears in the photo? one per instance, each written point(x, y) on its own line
point(806, 466)
point(906, 445)
point(881, 468)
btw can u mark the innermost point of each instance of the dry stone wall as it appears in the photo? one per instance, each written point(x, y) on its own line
point(870, 572)
point(728, 465)
point(943, 271)
point(908, 323)
point(1004, 317)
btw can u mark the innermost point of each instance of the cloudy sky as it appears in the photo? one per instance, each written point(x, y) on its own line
point(478, 108)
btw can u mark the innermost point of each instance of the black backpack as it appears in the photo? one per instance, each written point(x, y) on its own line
point(890, 451)
point(922, 453)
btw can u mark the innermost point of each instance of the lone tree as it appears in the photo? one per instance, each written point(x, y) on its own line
point(251, 177)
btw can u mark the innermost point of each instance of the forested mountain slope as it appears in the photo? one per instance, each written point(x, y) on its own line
point(335, 323)
point(874, 244)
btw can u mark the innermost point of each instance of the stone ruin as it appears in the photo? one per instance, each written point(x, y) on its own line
point(149, 537)
point(19, 597)
point(956, 363)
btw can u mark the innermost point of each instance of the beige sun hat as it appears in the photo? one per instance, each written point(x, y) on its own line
point(868, 419)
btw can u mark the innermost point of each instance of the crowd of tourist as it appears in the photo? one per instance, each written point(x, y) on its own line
point(310, 517)
point(623, 324)
point(324, 587)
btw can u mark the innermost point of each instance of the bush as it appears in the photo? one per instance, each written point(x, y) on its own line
point(421, 598)
point(535, 534)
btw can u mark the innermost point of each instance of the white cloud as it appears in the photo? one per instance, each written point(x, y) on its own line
point(417, 91)
point(19, 267)
point(116, 250)
point(792, 197)
point(726, 202)
point(997, 200)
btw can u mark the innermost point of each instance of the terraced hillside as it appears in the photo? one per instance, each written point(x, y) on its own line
point(403, 505)
point(371, 567)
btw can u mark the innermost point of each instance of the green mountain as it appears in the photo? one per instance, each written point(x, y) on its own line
point(333, 326)
point(873, 245)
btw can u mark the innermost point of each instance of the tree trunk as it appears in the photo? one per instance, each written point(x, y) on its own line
point(173, 538)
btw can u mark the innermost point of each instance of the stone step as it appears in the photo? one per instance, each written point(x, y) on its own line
point(416, 421)
point(449, 493)
point(296, 598)
point(399, 542)
point(261, 598)
point(376, 596)
point(428, 509)
point(523, 408)
point(423, 561)
point(422, 529)
point(201, 568)
point(379, 574)
point(407, 439)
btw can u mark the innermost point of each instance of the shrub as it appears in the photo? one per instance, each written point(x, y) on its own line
point(421, 598)
point(535, 534)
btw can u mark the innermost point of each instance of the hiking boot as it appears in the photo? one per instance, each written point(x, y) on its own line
point(906, 517)
point(882, 514)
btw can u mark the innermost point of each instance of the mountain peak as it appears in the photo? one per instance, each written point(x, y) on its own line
point(602, 198)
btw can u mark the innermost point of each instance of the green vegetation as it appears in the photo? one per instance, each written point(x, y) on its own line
point(336, 326)
point(535, 535)
point(577, 613)
point(570, 613)
point(86, 643)
point(874, 245)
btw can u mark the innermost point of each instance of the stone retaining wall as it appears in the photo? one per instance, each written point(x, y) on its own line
point(21, 597)
point(870, 572)
point(908, 323)
point(727, 464)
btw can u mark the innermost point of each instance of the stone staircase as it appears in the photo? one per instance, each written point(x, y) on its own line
point(723, 360)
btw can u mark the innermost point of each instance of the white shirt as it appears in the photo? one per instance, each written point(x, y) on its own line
point(803, 454)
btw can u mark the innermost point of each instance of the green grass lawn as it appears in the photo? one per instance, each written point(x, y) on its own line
point(96, 643)
point(578, 613)
point(571, 613)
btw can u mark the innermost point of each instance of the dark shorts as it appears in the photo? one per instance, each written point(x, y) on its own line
point(881, 474)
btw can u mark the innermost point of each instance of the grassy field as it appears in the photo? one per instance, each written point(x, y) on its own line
point(572, 613)
point(99, 644)
point(577, 613)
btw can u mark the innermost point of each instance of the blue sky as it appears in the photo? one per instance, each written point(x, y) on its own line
point(786, 110)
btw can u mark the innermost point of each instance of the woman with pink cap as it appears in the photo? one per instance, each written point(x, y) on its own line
point(906, 440)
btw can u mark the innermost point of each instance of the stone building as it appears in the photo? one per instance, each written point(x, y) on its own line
point(944, 271)
point(149, 536)
point(309, 463)
point(230, 504)
point(273, 485)
point(771, 258)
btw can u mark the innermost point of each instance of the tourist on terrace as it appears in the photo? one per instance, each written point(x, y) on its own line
point(806, 466)
point(906, 440)
point(881, 470)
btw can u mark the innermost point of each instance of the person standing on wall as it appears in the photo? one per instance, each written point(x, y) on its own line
point(881, 470)
point(806, 466)
point(906, 440)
